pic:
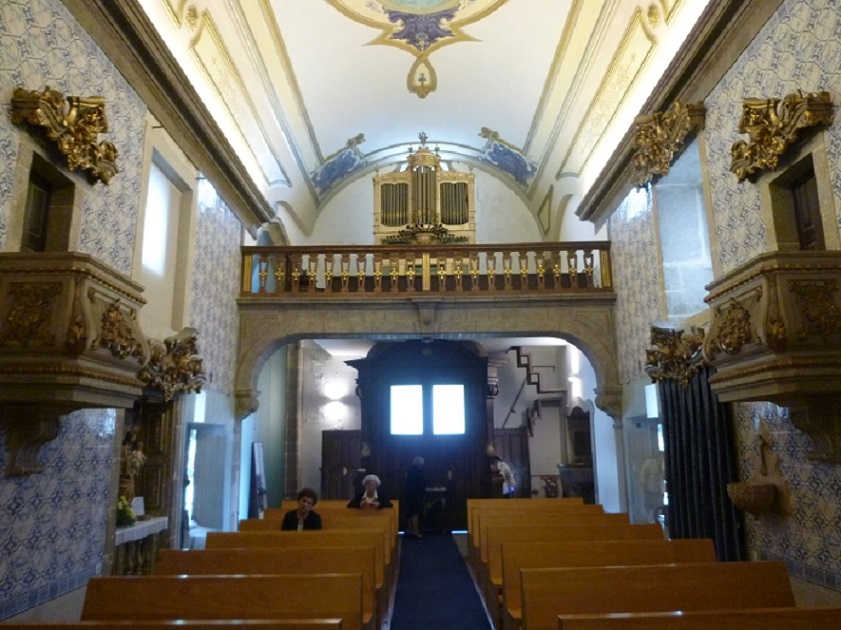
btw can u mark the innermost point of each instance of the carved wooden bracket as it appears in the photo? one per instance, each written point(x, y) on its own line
point(677, 355)
point(69, 340)
point(660, 136)
point(73, 123)
point(773, 125)
point(775, 336)
point(175, 365)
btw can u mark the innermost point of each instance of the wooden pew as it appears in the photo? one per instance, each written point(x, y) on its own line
point(322, 538)
point(337, 504)
point(279, 561)
point(226, 597)
point(594, 553)
point(491, 575)
point(548, 593)
point(189, 624)
point(522, 506)
point(750, 619)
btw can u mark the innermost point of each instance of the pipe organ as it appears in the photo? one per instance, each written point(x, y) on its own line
point(424, 204)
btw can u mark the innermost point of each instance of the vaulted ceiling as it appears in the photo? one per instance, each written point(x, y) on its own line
point(313, 94)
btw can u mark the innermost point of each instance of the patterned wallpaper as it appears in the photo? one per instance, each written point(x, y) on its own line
point(215, 287)
point(799, 48)
point(58, 53)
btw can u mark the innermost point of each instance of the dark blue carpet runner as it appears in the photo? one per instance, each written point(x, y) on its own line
point(434, 588)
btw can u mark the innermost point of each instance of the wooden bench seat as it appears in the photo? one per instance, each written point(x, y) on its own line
point(594, 553)
point(189, 624)
point(154, 597)
point(383, 581)
point(750, 619)
point(303, 560)
point(491, 575)
point(548, 593)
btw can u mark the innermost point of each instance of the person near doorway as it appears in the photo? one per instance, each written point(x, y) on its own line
point(508, 482)
point(304, 517)
point(414, 491)
point(371, 498)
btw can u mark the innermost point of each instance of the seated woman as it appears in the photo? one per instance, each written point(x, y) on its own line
point(370, 498)
point(304, 517)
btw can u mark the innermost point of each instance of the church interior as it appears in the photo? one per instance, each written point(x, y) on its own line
point(253, 246)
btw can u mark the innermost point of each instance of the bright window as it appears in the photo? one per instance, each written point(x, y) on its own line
point(406, 410)
point(448, 409)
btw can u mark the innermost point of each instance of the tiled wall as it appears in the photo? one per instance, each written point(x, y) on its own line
point(41, 45)
point(53, 524)
point(215, 287)
point(799, 48)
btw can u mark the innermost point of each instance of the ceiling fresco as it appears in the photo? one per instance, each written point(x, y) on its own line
point(315, 94)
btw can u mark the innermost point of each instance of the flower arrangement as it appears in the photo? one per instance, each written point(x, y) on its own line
point(125, 515)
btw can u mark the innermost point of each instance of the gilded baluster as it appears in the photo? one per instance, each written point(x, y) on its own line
point(589, 268)
point(329, 261)
point(345, 272)
point(360, 273)
point(312, 272)
point(524, 271)
point(394, 273)
point(556, 270)
point(441, 263)
point(572, 261)
point(280, 273)
point(541, 269)
point(410, 272)
point(474, 272)
point(263, 275)
point(491, 271)
point(506, 269)
point(295, 261)
point(378, 273)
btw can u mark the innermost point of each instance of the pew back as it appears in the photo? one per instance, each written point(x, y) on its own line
point(594, 553)
point(189, 624)
point(292, 540)
point(295, 561)
point(548, 593)
point(750, 619)
point(226, 597)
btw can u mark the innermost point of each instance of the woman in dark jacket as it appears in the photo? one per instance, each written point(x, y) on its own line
point(304, 517)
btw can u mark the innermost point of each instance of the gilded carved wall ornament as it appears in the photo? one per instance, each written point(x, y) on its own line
point(818, 308)
point(175, 366)
point(660, 136)
point(735, 332)
point(73, 123)
point(773, 125)
point(117, 334)
point(676, 356)
point(30, 312)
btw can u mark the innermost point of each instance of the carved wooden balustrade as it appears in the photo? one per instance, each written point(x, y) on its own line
point(398, 270)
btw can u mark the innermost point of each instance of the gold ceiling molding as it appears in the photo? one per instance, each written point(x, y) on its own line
point(773, 125)
point(625, 68)
point(677, 355)
point(74, 124)
point(214, 60)
point(660, 136)
point(420, 31)
point(544, 212)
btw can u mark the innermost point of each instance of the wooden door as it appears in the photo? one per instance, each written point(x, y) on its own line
point(340, 457)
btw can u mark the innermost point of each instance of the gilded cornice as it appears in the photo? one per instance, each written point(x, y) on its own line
point(73, 123)
point(661, 136)
point(773, 125)
point(677, 355)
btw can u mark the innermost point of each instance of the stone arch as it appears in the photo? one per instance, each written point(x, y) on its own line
point(586, 323)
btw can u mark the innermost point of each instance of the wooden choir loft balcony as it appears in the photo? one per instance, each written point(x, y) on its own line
point(390, 271)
